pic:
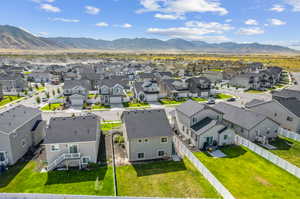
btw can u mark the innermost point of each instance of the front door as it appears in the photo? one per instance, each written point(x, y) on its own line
point(209, 140)
point(73, 148)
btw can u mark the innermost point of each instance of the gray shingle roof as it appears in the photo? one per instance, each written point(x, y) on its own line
point(287, 93)
point(190, 108)
point(15, 117)
point(241, 117)
point(146, 123)
point(72, 129)
point(69, 84)
point(292, 104)
point(253, 102)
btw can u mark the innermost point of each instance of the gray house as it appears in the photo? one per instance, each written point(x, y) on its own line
point(77, 91)
point(20, 129)
point(112, 91)
point(13, 83)
point(285, 111)
point(146, 91)
point(147, 134)
point(201, 126)
point(72, 141)
point(249, 124)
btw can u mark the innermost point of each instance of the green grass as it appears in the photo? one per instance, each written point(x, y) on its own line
point(287, 149)
point(163, 179)
point(41, 88)
point(216, 70)
point(169, 101)
point(23, 178)
point(110, 126)
point(199, 99)
point(52, 107)
point(247, 175)
point(254, 91)
point(136, 104)
point(8, 99)
point(223, 96)
point(91, 96)
point(27, 72)
point(100, 106)
point(129, 94)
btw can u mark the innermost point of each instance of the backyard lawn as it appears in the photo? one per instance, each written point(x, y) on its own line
point(247, 175)
point(23, 178)
point(287, 149)
point(107, 126)
point(52, 107)
point(223, 96)
point(163, 179)
point(136, 104)
point(8, 99)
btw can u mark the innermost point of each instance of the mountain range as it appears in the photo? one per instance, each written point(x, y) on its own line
point(15, 38)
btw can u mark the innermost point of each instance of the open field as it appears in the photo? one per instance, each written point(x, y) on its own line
point(247, 175)
point(163, 179)
point(23, 178)
point(287, 149)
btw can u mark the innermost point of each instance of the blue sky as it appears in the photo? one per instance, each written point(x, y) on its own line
point(264, 21)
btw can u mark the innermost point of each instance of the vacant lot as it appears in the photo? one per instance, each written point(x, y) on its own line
point(287, 149)
point(163, 179)
point(248, 176)
point(23, 178)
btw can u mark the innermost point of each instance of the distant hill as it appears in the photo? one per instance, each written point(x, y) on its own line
point(15, 38)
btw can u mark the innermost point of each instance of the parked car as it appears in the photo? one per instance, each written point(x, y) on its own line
point(231, 99)
point(44, 99)
point(211, 101)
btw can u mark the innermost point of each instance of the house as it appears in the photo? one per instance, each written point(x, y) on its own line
point(147, 134)
point(285, 94)
point(21, 128)
point(201, 126)
point(163, 75)
point(249, 124)
point(76, 91)
point(72, 141)
point(1, 92)
point(174, 88)
point(113, 91)
point(146, 91)
point(285, 111)
point(246, 80)
point(199, 86)
point(13, 83)
point(39, 77)
point(145, 77)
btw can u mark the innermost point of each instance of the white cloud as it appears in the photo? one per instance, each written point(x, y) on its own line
point(251, 31)
point(195, 30)
point(277, 22)
point(126, 25)
point(41, 1)
point(295, 4)
point(168, 16)
point(182, 6)
point(228, 20)
point(92, 10)
point(65, 20)
point(102, 24)
point(49, 8)
point(251, 22)
point(277, 8)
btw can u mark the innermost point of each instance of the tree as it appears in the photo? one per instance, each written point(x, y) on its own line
point(53, 93)
point(58, 91)
point(36, 86)
point(47, 95)
point(38, 100)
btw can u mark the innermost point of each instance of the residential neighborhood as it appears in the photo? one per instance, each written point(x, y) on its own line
point(127, 119)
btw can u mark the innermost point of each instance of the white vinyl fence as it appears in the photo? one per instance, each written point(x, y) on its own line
point(289, 134)
point(292, 169)
point(182, 150)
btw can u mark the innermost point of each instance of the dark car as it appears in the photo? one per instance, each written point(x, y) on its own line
point(231, 99)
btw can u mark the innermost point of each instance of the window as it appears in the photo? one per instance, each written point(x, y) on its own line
point(85, 160)
point(140, 155)
point(161, 153)
point(146, 140)
point(2, 157)
point(194, 120)
point(183, 128)
point(164, 140)
point(225, 137)
point(289, 119)
point(55, 147)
